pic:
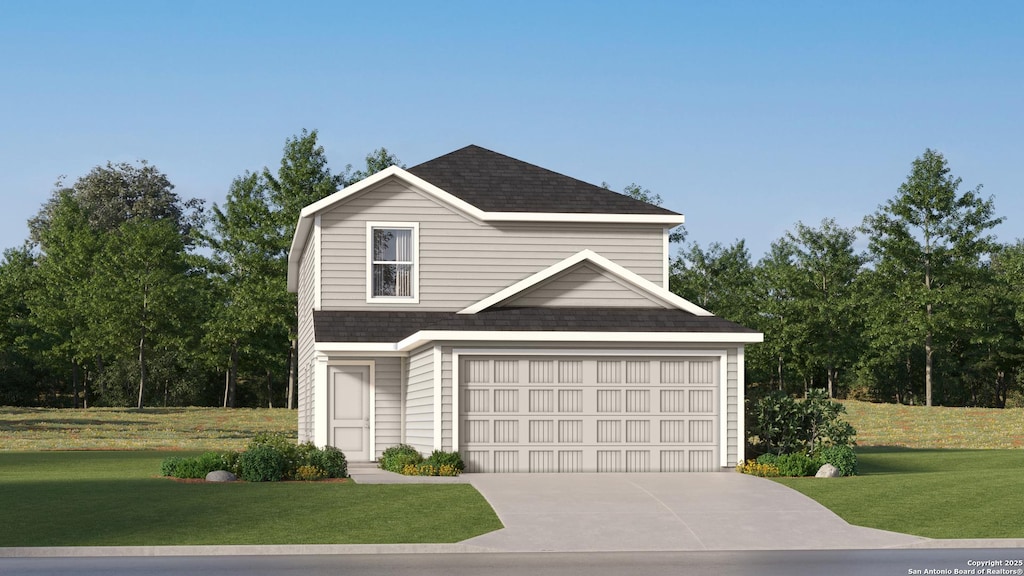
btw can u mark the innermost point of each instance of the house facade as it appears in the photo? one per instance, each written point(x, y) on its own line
point(521, 317)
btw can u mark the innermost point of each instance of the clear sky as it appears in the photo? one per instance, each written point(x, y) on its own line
point(745, 116)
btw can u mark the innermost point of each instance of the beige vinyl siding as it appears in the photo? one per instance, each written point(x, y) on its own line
point(387, 402)
point(732, 407)
point(583, 285)
point(447, 416)
point(305, 352)
point(462, 261)
point(419, 401)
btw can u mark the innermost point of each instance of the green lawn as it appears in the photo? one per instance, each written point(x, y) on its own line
point(115, 499)
point(38, 429)
point(931, 493)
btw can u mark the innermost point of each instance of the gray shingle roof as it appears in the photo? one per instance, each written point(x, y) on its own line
point(393, 326)
point(494, 182)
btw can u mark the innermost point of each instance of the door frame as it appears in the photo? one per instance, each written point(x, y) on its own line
point(372, 448)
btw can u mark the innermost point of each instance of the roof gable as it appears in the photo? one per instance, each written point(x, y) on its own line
point(514, 192)
point(494, 182)
point(654, 293)
point(583, 285)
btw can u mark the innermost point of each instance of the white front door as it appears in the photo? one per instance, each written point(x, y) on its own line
point(349, 388)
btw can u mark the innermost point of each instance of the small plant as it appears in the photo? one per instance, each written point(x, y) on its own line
point(842, 457)
point(448, 470)
point(310, 473)
point(757, 468)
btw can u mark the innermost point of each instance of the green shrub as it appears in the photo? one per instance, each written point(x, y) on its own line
point(285, 447)
point(797, 464)
point(842, 457)
point(329, 459)
point(396, 458)
point(783, 425)
point(195, 467)
point(439, 458)
point(263, 463)
point(169, 467)
point(768, 458)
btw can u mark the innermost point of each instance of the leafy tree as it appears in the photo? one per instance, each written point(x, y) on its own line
point(718, 279)
point(773, 311)
point(256, 323)
point(825, 270)
point(139, 294)
point(376, 161)
point(925, 244)
point(19, 358)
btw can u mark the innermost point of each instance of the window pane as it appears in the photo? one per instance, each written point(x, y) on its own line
point(384, 279)
point(392, 245)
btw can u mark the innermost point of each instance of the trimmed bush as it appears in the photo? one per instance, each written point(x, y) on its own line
point(329, 459)
point(842, 457)
point(452, 460)
point(262, 463)
point(797, 464)
point(196, 467)
point(396, 458)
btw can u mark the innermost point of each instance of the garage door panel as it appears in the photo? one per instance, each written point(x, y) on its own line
point(522, 414)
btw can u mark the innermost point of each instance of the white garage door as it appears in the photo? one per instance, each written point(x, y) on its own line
point(589, 414)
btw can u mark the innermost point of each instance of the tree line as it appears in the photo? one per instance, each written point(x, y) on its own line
point(125, 294)
point(930, 312)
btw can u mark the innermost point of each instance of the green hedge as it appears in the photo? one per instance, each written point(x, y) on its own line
point(267, 458)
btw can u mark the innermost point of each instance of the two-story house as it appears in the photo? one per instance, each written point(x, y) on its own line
point(482, 304)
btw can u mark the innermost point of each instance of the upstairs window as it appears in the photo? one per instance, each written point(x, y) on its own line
point(392, 273)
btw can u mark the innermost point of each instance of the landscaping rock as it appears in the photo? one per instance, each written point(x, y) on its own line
point(221, 476)
point(828, 471)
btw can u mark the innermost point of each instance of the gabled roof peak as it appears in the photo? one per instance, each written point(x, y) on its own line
point(494, 182)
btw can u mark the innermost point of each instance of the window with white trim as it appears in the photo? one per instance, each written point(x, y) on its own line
point(392, 261)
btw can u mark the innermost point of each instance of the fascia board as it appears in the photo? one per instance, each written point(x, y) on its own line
point(586, 217)
point(427, 336)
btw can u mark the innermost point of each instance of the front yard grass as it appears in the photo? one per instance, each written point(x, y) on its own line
point(116, 499)
point(930, 493)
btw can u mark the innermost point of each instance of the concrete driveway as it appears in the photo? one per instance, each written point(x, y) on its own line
point(667, 512)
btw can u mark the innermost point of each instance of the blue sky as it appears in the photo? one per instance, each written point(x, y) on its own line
point(745, 116)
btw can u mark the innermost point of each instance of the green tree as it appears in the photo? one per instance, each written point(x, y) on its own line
point(93, 237)
point(255, 325)
point(926, 244)
point(718, 279)
point(140, 294)
point(19, 356)
point(376, 161)
point(772, 311)
point(826, 267)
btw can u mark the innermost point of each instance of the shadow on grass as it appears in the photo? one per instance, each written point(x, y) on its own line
point(878, 460)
